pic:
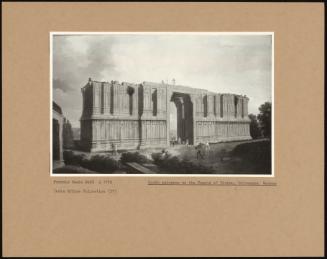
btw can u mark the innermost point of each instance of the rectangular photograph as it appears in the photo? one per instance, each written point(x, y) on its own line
point(154, 104)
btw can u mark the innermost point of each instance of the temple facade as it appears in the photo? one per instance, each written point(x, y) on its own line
point(118, 116)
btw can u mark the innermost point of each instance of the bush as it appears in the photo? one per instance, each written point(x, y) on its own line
point(73, 159)
point(156, 157)
point(174, 165)
point(133, 157)
point(98, 163)
point(102, 164)
point(256, 156)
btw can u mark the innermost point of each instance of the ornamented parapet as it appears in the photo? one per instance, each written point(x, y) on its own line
point(132, 116)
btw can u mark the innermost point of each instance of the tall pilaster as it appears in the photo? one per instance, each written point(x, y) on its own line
point(245, 106)
point(180, 117)
point(124, 97)
point(168, 97)
point(199, 105)
point(205, 105)
point(210, 105)
point(217, 105)
point(61, 157)
point(239, 107)
point(84, 102)
point(225, 105)
point(96, 97)
point(106, 97)
point(115, 89)
point(231, 106)
point(135, 101)
point(120, 99)
point(193, 102)
point(159, 102)
point(147, 107)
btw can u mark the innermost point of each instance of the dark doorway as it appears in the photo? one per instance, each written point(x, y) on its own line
point(55, 140)
point(184, 118)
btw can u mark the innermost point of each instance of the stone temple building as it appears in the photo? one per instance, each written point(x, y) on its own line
point(57, 130)
point(135, 116)
point(62, 135)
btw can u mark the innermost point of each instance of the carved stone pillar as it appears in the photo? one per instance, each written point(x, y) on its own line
point(193, 102)
point(239, 107)
point(135, 101)
point(210, 105)
point(147, 107)
point(168, 98)
point(96, 97)
point(180, 118)
point(225, 106)
point(115, 88)
point(217, 105)
point(106, 98)
point(123, 97)
point(84, 102)
point(231, 106)
point(159, 102)
point(245, 106)
point(205, 105)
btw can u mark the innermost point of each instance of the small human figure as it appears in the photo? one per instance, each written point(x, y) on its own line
point(186, 142)
point(173, 140)
point(198, 152)
point(179, 140)
point(164, 153)
point(207, 149)
point(114, 148)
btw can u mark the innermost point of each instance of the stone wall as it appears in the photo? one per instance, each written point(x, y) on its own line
point(57, 133)
point(131, 116)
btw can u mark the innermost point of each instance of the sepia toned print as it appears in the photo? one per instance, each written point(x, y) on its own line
point(216, 121)
point(136, 216)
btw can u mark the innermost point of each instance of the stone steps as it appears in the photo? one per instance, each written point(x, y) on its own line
point(140, 168)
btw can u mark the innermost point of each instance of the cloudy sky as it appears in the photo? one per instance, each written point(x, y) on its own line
point(238, 64)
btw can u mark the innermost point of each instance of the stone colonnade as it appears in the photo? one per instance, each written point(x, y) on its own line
point(221, 117)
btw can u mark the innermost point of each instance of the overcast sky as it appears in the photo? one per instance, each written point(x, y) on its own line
point(239, 64)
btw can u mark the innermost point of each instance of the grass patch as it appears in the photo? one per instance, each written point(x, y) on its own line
point(255, 156)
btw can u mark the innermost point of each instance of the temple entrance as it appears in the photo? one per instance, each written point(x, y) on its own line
point(173, 123)
point(181, 119)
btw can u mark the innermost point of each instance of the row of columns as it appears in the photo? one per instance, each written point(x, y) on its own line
point(221, 105)
point(154, 103)
point(110, 98)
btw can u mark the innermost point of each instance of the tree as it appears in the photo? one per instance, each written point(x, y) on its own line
point(254, 127)
point(264, 118)
point(67, 135)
